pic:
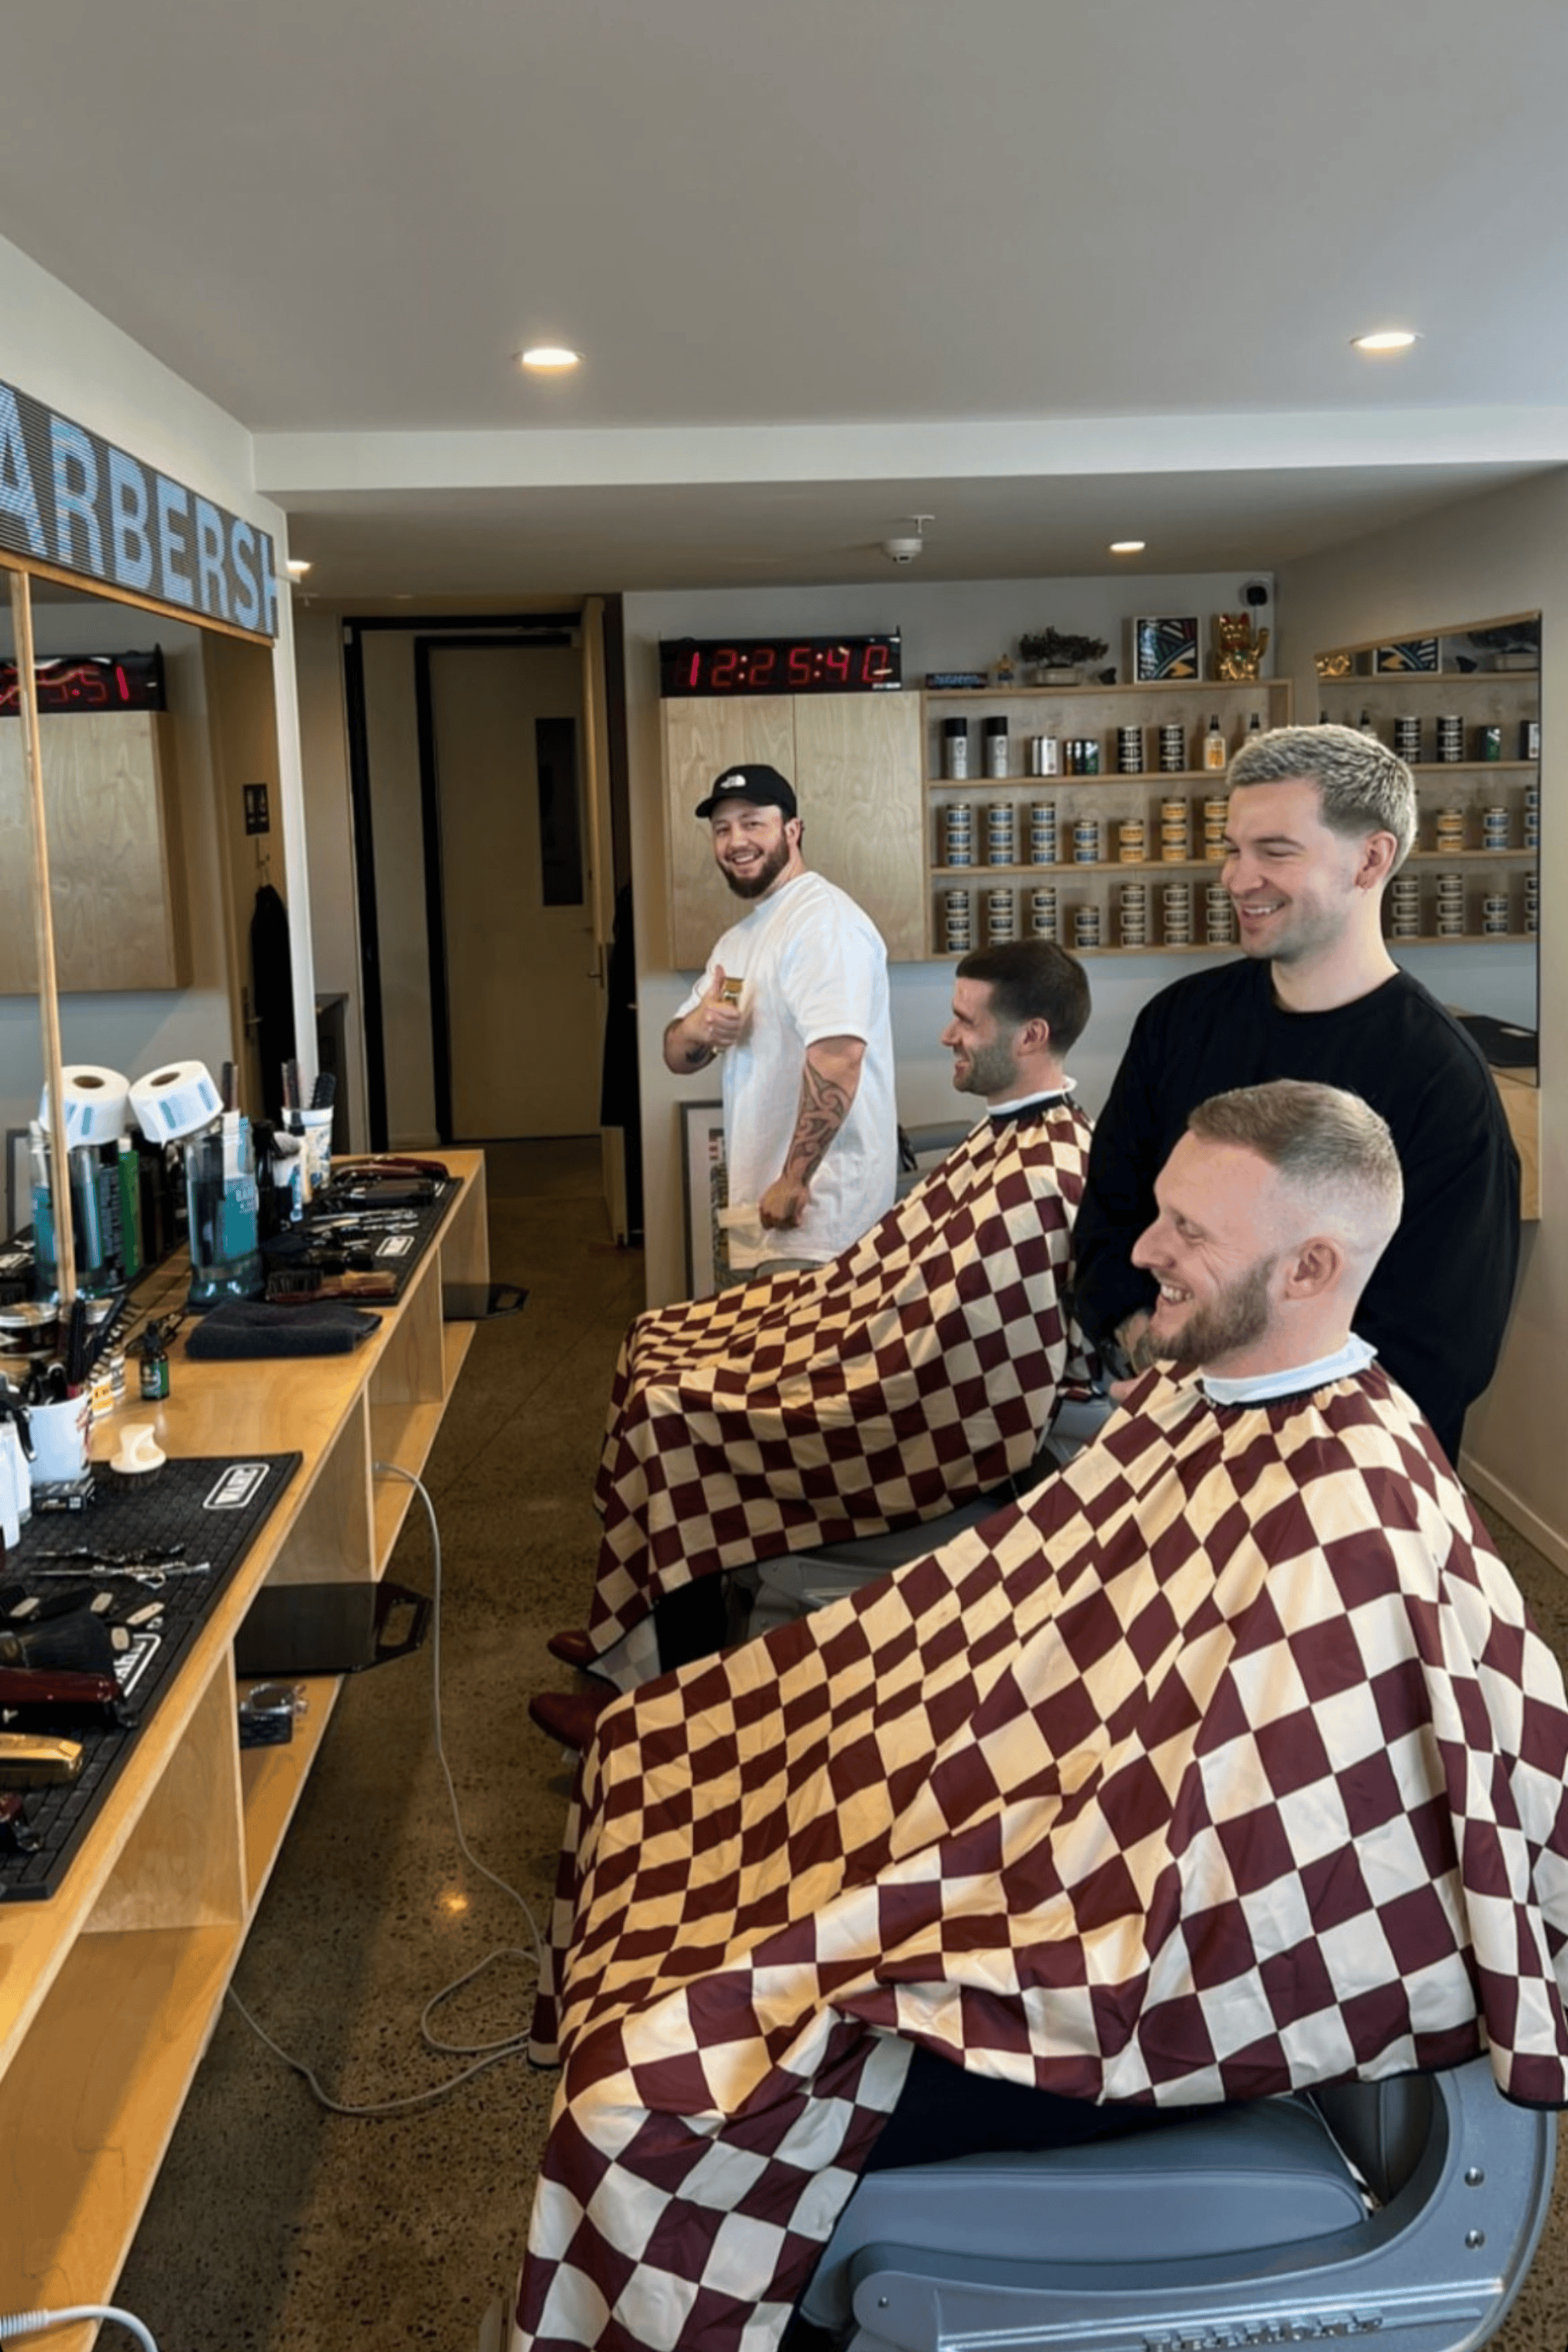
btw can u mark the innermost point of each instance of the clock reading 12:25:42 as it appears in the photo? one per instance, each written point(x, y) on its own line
point(733, 666)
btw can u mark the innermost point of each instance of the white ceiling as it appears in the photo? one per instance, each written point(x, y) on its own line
point(1050, 270)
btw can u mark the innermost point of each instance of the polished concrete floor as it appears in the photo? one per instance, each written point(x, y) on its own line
point(279, 2227)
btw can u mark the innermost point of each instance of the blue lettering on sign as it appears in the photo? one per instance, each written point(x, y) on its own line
point(18, 496)
point(76, 498)
point(212, 589)
point(70, 498)
point(171, 544)
point(246, 604)
point(269, 585)
point(128, 521)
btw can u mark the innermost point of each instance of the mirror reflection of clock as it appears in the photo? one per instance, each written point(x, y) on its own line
point(88, 682)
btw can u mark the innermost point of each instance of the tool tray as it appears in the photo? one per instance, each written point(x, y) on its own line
point(215, 1508)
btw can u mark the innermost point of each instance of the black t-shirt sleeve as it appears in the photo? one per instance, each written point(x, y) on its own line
point(1436, 1306)
point(1118, 1205)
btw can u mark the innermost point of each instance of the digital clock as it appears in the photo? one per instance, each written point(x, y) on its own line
point(721, 665)
point(88, 682)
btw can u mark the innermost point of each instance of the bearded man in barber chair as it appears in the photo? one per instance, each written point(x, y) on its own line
point(919, 1371)
point(1226, 1765)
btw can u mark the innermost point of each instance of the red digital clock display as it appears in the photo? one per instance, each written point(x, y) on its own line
point(88, 682)
point(725, 666)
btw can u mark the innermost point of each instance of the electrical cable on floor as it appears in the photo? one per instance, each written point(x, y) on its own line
point(485, 2053)
point(33, 2322)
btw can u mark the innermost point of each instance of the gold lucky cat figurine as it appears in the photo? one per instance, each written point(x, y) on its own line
point(1238, 651)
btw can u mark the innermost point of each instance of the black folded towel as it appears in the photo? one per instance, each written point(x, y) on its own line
point(251, 1328)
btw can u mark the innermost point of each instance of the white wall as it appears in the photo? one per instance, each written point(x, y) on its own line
point(945, 625)
point(63, 353)
point(1506, 552)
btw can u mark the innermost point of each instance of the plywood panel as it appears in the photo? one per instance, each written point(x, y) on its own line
point(857, 778)
point(114, 878)
point(700, 739)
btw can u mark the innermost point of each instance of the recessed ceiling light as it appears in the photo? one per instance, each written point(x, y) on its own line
point(1385, 339)
point(548, 356)
point(298, 567)
point(1128, 546)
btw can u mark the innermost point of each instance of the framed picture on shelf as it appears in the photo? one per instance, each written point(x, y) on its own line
point(705, 1182)
point(1165, 647)
point(1415, 655)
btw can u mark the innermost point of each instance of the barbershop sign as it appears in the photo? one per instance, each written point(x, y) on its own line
point(73, 500)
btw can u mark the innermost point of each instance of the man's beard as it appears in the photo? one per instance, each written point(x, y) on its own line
point(992, 1071)
point(760, 877)
point(1233, 1318)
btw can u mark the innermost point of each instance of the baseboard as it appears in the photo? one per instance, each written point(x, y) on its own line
point(1547, 1541)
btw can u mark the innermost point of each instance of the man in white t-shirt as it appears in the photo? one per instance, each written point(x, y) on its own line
point(795, 997)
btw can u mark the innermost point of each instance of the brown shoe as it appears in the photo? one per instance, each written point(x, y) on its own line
point(569, 1716)
point(574, 1648)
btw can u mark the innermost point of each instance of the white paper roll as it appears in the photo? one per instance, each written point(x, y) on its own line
point(95, 1104)
point(174, 1101)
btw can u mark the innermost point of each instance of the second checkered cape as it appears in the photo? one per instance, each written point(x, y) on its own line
point(1230, 1765)
point(913, 1372)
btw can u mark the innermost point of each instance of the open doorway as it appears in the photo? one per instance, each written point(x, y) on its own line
point(487, 764)
point(516, 1000)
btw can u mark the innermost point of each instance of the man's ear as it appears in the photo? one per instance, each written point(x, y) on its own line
point(1314, 1267)
point(1378, 853)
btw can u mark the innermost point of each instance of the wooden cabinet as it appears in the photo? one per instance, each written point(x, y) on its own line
point(109, 1991)
point(1090, 891)
point(115, 876)
point(855, 762)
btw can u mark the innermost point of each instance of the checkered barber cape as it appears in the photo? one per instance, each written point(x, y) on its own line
point(1230, 1765)
point(912, 1372)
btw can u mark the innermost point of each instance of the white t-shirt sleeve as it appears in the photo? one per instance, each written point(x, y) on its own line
point(830, 972)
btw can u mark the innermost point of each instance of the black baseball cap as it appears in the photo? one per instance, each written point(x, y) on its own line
point(756, 782)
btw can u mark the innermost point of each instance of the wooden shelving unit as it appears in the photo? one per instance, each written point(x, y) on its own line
point(1092, 712)
point(1508, 700)
point(109, 1991)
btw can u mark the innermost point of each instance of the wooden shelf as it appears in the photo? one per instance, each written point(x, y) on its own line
point(109, 1991)
point(1471, 857)
point(1434, 768)
point(1391, 681)
point(272, 1780)
point(1164, 779)
point(1204, 689)
point(950, 876)
point(88, 2108)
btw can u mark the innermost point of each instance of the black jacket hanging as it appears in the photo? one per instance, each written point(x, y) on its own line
point(272, 995)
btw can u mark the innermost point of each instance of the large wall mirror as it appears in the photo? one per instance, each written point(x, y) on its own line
point(153, 734)
point(1462, 704)
point(1462, 707)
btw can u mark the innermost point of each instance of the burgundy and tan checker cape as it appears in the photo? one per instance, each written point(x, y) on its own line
point(1230, 1765)
point(915, 1371)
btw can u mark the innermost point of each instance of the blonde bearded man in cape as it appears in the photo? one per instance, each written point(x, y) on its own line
point(1228, 1765)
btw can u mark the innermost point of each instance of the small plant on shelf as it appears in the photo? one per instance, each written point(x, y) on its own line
point(1059, 657)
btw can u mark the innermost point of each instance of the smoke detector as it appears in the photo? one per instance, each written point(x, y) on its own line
point(904, 551)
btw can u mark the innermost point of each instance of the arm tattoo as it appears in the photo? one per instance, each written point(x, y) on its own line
point(824, 1107)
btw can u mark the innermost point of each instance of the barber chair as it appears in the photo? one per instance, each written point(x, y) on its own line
point(1408, 2211)
point(775, 1592)
point(922, 1149)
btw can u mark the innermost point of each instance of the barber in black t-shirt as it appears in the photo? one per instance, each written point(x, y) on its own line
point(1321, 818)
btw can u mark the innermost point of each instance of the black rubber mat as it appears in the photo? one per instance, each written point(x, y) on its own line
point(201, 1510)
